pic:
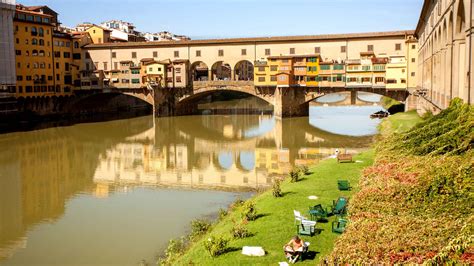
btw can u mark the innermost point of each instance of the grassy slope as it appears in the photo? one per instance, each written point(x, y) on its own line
point(276, 227)
point(400, 122)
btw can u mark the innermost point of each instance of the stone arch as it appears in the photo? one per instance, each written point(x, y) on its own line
point(217, 160)
point(202, 92)
point(221, 70)
point(395, 95)
point(243, 70)
point(241, 165)
point(199, 71)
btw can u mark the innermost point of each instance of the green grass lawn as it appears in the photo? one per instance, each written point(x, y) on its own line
point(276, 226)
point(400, 122)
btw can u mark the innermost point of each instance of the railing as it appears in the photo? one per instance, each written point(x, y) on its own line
point(222, 83)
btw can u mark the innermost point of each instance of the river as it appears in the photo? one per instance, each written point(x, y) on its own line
point(115, 192)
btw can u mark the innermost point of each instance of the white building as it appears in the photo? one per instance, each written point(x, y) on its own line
point(164, 36)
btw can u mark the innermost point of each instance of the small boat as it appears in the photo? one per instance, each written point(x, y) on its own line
point(379, 114)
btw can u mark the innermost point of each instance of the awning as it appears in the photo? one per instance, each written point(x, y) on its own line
point(115, 80)
point(106, 79)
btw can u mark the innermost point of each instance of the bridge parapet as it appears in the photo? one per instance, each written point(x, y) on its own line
point(221, 83)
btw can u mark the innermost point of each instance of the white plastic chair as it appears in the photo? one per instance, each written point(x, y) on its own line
point(298, 217)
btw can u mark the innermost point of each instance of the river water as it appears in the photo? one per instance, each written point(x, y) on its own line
point(116, 192)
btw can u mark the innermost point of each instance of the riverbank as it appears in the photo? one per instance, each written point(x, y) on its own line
point(275, 226)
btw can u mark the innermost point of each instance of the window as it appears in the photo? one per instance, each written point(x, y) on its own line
point(343, 49)
point(155, 54)
point(379, 79)
point(57, 65)
point(412, 74)
point(28, 78)
point(41, 42)
point(18, 65)
point(391, 81)
point(178, 79)
point(17, 41)
point(28, 89)
point(134, 54)
point(244, 52)
point(135, 81)
point(114, 55)
point(267, 51)
point(176, 53)
point(403, 70)
point(198, 53)
point(40, 32)
point(76, 56)
point(325, 67)
point(413, 60)
point(413, 46)
point(34, 41)
point(150, 69)
point(317, 50)
point(26, 41)
point(338, 67)
point(67, 55)
point(273, 78)
point(261, 79)
point(29, 17)
point(57, 54)
point(58, 77)
point(76, 45)
point(18, 52)
point(292, 50)
point(404, 81)
point(38, 19)
point(19, 78)
point(398, 46)
point(282, 78)
point(178, 70)
point(273, 68)
point(34, 53)
point(105, 65)
point(221, 53)
point(125, 81)
point(34, 31)
point(135, 71)
point(370, 48)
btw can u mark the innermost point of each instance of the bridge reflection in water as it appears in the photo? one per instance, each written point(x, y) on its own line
point(41, 171)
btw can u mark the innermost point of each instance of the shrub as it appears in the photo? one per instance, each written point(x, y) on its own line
point(249, 211)
point(198, 228)
point(175, 248)
point(237, 203)
point(304, 169)
point(239, 230)
point(294, 175)
point(276, 188)
point(216, 245)
point(222, 213)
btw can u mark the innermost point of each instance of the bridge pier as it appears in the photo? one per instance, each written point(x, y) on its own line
point(290, 102)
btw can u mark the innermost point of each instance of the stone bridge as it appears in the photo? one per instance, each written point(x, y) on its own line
point(286, 101)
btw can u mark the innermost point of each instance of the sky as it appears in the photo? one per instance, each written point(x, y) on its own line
point(243, 18)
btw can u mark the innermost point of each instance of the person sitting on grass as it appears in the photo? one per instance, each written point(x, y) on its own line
point(294, 249)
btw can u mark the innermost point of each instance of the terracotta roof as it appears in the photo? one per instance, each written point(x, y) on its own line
point(306, 38)
point(367, 53)
point(180, 61)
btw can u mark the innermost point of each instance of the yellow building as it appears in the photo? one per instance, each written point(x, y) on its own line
point(33, 48)
point(262, 75)
point(65, 70)
point(99, 34)
point(312, 69)
point(154, 72)
point(396, 75)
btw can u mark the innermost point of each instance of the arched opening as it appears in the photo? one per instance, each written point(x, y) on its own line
point(460, 19)
point(243, 70)
point(221, 71)
point(199, 71)
point(246, 161)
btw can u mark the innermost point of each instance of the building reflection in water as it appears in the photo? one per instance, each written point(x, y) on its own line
point(41, 170)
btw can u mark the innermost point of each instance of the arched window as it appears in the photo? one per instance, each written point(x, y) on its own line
point(35, 65)
point(42, 65)
point(76, 45)
point(34, 32)
point(26, 41)
point(36, 77)
point(41, 42)
point(34, 41)
point(34, 53)
point(41, 53)
point(40, 32)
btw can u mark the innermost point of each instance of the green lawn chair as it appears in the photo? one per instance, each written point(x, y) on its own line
point(343, 185)
point(317, 212)
point(339, 206)
point(306, 228)
point(339, 226)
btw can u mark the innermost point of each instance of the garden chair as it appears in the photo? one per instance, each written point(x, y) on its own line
point(318, 212)
point(339, 226)
point(343, 185)
point(339, 206)
point(298, 217)
point(306, 227)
